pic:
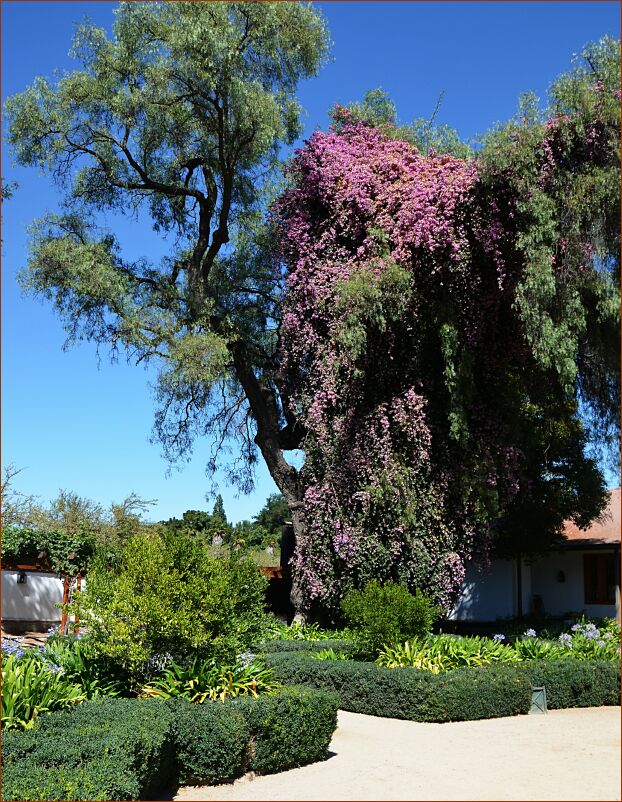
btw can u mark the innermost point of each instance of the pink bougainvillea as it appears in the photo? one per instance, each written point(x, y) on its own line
point(399, 339)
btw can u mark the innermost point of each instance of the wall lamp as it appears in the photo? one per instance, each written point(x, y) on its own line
point(21, 578)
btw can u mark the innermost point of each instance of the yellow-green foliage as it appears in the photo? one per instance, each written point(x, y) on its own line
point(167, 595)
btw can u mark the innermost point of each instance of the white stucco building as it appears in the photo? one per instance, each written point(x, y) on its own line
point(583, 576)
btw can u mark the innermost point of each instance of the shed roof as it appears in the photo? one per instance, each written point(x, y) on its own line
point(604, 531)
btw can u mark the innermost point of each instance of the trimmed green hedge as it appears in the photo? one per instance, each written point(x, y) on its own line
point(408, 693)
point(103, 749)
point(291, 729)
point(211, 742)
point(274, 646)
point(131, 749)
point(576, 683)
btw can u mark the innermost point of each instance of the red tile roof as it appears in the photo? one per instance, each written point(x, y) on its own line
point(604, 530)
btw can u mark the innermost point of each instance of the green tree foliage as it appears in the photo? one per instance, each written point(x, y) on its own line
point(273, 515)
point(379, 111)
point(218, 513)
point(67, 525)
point(181, 116)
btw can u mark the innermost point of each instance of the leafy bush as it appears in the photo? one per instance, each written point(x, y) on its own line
point(132, 748)
point(388, 614)
point(211, 742)
point(31, 686)
point(348, 646)
point(26, 544)
point(408, 693)
point(291, 728)
point(104, 749)
point(576, 683)
point(167, 595)
point(81, 664)
point(205, 680)
point(445, 652)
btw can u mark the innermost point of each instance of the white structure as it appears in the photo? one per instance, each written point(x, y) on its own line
point(30, 605)
point(583, 576)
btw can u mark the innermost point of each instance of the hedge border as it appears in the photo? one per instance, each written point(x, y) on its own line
point(460, 695)
point(126, 749)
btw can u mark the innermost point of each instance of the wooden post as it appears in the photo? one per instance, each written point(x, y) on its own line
point(78, 585)
point(63, 618)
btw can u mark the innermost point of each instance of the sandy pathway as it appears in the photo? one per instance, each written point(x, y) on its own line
point(565, 754)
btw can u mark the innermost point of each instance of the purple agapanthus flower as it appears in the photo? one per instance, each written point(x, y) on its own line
point(530, 633)
point(498, 637)
point(565, 639)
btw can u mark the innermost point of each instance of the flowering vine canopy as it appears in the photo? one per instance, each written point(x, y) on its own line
point(436, 322)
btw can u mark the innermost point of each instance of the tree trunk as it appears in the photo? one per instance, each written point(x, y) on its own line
point(268, 439)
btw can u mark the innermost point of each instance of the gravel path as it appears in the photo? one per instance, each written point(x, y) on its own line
point(565, 754)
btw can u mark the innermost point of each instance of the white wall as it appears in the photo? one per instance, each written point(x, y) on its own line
point(487, 595)
point(32, 601)
point(562, 597)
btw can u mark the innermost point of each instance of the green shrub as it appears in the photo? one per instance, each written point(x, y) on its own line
point(388, 614)
point(207, 680)
point(306, 646)
point(468, 694)
point(291, 728)
point(215, 743)
point(167, 595)
point(446, 652)
point(103, 749)
point(211, 742)
point(31, 686)
point(409, 693)
point(576, 683)
point(81, 664)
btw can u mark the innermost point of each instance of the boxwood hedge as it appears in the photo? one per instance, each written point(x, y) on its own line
point(131, 749)
point(576, 683)
point(103, 749)
point(408, 693)
point(290, 729)
point(460, 695)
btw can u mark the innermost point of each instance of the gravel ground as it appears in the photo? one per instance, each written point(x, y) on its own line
point(562, 755)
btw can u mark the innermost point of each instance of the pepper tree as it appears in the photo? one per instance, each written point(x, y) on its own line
point(179, 116)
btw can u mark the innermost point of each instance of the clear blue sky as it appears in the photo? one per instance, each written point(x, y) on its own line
point(75, 425)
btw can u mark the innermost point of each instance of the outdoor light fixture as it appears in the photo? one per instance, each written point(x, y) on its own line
point(21, 578)
point(561, 576)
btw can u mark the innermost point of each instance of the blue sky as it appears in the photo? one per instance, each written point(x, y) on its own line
point(72, 423)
